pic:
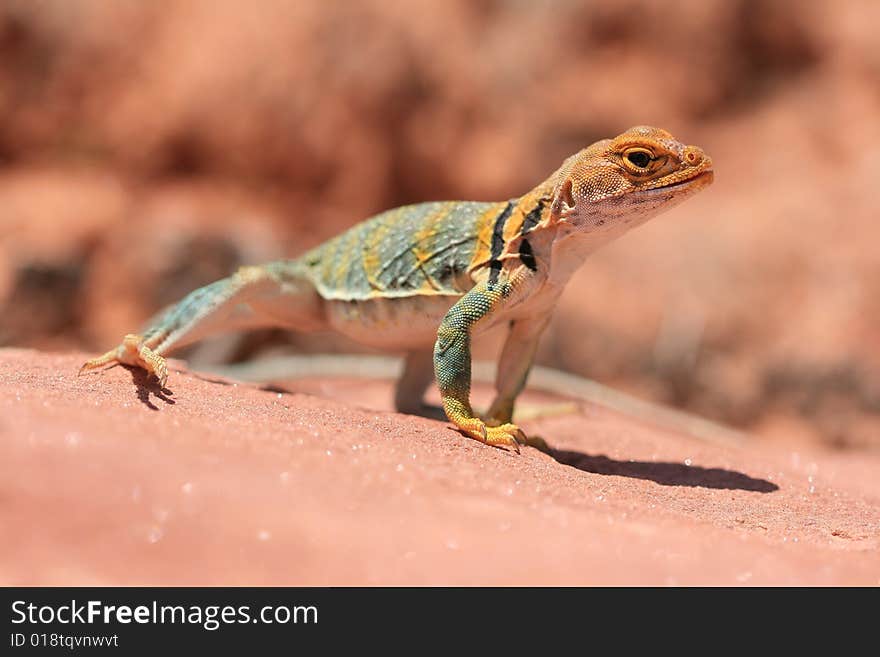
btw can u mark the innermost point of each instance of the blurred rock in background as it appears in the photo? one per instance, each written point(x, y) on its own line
point(149, 148)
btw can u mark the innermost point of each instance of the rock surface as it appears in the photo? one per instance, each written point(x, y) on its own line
point(107, 480)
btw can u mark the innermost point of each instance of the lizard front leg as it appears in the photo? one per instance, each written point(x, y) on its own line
point(514, 365)
point(452, 363)
point(417, 376)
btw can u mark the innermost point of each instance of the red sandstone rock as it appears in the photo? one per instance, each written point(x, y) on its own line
point(104, 479)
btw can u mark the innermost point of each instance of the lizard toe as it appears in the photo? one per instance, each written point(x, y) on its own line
point(133, 351)
point(100, 361)
point(504, 435)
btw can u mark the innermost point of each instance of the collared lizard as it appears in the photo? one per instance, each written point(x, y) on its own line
point(437, 273)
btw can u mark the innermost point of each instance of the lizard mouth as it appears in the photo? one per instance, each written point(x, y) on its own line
point(686, 186)
point(698, 181)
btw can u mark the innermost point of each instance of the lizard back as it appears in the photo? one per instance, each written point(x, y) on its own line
point(425, 249)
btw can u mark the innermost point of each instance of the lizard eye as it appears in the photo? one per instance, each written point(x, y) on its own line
point(639, 157)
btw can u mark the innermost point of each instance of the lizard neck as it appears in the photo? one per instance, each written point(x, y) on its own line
point(558, 250)
point(565, 242)
point(527, 232)
point(569, 246)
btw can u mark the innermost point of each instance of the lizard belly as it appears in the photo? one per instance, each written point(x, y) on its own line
point(392, 324)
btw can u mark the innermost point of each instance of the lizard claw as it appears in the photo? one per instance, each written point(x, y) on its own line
point(111, 356)
point(505, 435)
point(132, 351)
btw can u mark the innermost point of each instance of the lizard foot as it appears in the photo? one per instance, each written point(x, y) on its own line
point(532, 441)
point(505, 435)
point(537, 442)
point(132, 351)
point(502, 419)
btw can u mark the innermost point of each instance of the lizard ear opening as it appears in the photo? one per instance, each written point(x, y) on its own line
point(563, 200)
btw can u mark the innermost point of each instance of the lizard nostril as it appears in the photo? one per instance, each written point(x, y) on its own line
point(693, 155)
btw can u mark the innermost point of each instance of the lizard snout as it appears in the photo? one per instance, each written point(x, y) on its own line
point(694, 156)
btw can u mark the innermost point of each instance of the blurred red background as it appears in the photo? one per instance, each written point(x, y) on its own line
point(149, 148)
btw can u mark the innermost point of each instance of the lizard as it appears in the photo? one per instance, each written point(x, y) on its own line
point(423, 279)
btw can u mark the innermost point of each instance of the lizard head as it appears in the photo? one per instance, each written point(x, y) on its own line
point(616, 184)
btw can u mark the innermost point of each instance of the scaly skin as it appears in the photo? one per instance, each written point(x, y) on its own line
point(438, 273)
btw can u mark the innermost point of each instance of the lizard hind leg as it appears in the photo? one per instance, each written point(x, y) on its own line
point(134, 350)
point(276, 294)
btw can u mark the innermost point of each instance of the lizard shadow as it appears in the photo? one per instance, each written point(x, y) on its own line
point(664, 473)
point(147, 385)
